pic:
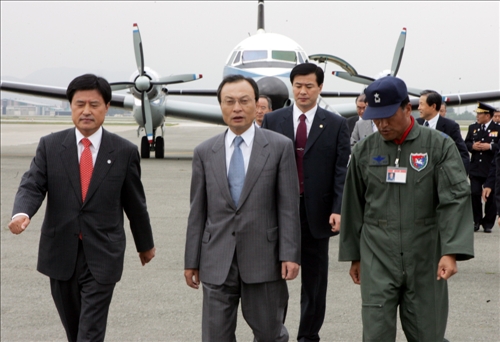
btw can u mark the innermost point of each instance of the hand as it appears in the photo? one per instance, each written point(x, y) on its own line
point(19, 224)
point(147, 256)
point(192, 277)
point(289, 270)
point(335, 222)
point(447, 267)
point(486, 193)
point(355, 272)
point(476, 146)
point(485, 146)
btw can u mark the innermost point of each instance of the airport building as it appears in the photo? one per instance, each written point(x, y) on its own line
point(12, 107)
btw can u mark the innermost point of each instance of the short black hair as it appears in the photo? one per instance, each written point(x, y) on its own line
point(268, 99)
point(90, 82)
point(433, 97)
point(237, 78)
point(361, 97)
point(306, 69)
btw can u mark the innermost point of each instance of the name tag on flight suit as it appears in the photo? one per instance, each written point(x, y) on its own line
point(396, 174)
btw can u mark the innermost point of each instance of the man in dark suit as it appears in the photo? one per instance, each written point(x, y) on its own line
point(482, 143)
point(429, 105)
point(322, 152)
point(90, 176)
point(361, 104)
point(243, 234)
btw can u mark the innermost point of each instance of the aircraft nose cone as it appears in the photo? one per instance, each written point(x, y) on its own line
point(275, 89)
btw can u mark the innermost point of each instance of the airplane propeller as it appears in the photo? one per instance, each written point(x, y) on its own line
point(351, 74)
point(143, 83)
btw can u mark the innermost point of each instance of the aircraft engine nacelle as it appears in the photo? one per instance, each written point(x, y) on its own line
point(153, 91)
point(157, 113)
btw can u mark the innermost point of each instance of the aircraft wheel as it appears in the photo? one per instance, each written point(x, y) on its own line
point(160, 148)
point(144, 147)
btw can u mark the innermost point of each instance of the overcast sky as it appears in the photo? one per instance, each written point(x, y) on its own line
point(451, 47)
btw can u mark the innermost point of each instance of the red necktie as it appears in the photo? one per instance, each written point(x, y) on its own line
point(86, 167)
point(300, 145)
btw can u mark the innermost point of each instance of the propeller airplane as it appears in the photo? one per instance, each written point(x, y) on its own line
point(266, 57)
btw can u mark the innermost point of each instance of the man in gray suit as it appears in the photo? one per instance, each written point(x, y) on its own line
point(243, 234)
point(362, 129)
point(90, 177)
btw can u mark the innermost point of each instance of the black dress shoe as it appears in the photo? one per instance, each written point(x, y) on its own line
point(476, 227)
point(487, 230)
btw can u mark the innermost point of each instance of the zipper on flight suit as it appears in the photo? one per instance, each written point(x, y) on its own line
point(396, 163)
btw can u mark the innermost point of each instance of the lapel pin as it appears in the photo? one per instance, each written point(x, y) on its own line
point(320, 126)
point(109, 161)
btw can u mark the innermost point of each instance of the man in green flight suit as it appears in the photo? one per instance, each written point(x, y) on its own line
point(406, 219)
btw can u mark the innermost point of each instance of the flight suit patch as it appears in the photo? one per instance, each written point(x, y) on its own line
point(380, 160)
point(418, 161)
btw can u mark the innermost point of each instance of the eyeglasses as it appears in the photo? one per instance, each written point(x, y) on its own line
point(230, 102)
point(262, 108)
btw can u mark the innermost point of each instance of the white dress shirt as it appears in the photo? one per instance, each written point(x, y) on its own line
point(309, 118)
point(246, 146)
point(433, 122)
point(95, 139)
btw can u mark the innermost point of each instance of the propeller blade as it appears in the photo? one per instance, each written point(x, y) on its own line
point(178, 79)
point(139, 56)
point(146, 116)
point(121, 85)
point(353, 78)
point(398, 53)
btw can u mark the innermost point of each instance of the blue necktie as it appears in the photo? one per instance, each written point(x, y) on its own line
point(236, 174)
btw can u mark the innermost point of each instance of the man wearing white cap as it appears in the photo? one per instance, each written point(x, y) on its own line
point(406, 218)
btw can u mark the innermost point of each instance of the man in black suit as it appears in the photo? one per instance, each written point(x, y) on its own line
point(429, 106)
point(482, 143)
point(90, 176)
point(361, 104)
point(322, 151)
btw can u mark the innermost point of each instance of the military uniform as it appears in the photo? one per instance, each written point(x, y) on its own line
point(400, 231)
point(480, 164)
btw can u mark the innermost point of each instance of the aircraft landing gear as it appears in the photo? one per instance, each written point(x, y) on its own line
point(160, 148)
point(144, 147)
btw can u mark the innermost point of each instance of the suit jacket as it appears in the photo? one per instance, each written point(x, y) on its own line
point(263, 230)
point(351, 122)
point(480, 161)
point(452, 129)
point(362, 129)
point(324, 164)
point(115, 187)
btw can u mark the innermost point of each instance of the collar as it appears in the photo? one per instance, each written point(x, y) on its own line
point(309, 114)
point(405, 134)
point(486, 125)
point(247, 136)
point(433, 122)
point(95, 138)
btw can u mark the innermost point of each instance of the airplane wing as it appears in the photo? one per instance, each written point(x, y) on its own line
point(59, 93)
point(194, 111)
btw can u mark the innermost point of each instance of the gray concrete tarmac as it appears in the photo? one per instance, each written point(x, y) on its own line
point(152, 303)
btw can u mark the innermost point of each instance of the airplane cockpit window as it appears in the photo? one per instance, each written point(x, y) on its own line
point(254, 55)
point(237, 58)
point(288, 56)
point(301, 60)
point(231, 59)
